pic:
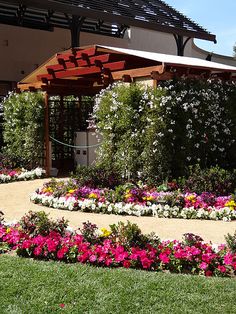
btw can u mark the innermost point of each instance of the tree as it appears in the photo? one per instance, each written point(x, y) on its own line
point(234, 49)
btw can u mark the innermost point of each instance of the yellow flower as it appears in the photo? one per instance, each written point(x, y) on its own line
point(128, 195)
point(93, 195)
point(191, 198)
point(105, 232)
point(71, 191)
point(46, 190)
point(231, 204)
point(8, 230)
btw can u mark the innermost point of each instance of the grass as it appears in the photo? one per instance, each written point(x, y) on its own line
point(28, 286)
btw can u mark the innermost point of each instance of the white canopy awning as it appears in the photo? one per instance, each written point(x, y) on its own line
point(175, 60)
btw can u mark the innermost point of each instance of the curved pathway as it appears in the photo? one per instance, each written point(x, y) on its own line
point(14, 202)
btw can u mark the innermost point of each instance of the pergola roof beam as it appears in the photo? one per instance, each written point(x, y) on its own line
point(113, 66)
point(78, 63)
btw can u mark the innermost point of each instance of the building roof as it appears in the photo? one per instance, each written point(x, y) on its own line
point(107, 17)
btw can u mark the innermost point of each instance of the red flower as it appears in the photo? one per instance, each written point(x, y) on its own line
point(62, 305)
point(208, 273)
point(126, 264)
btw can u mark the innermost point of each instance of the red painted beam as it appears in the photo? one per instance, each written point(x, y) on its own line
point(78, 55)
point(79, 63)
point(113, 66)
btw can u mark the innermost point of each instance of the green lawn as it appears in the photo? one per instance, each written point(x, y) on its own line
point(28, 286)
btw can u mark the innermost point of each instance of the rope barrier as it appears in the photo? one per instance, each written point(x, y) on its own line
point(74, 146)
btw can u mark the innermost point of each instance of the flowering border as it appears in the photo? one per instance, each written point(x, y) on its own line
point(21, 175)
point(121, 208)
point(194, 256)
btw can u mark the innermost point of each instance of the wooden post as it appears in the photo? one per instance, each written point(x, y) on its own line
point(46, 134)
point(155, 83)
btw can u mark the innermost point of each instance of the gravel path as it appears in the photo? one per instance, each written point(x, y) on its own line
point(14, 202)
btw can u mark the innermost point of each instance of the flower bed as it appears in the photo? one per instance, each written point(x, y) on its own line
point(122, 246)
point(135, 201)
point(20, 174)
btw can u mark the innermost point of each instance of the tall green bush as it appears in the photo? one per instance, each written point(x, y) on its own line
point(23, 128)
point(128, 119)
point(200, 117)
point(152, 133)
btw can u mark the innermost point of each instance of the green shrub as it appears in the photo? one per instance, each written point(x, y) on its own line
point(191, 239)
point(35, 223)
point(129, 235)
point(23, 128)
point(97, 176)
point(231, 242)
point(215, 180)
point(128, 117)
point(89, 232)
point(150, 134)
point(201, 119)
point(1, 217)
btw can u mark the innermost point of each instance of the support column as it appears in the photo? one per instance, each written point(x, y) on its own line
point(181, 44)
point(46, 135)
point(75, 27)
point(61, 132)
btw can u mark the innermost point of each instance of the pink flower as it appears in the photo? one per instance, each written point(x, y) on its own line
point(146, 263)
point(92, 258)
point(203, 265)
point(37, 251)
point(61, 252)
point(83, 258)
point(228, 259)
point(164, 258)
point(108, 261)
point(221, 268)
point(26, 244)
point(52, 245)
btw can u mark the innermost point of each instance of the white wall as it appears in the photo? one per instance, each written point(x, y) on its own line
point(22, 49)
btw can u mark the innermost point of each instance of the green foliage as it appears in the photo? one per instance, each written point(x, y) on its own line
point(201, 120)
point(23, 128)
point(128, 119)
point(152, 133)
point(89, 232)
point(97, 176)
point(36, 223)
point(191, 239)
point(231, 241)
point(1, 217)
point(41, 288)
point(129, 234)
point(213, 180)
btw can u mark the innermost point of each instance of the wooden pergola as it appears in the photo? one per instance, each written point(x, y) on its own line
point(87, 70)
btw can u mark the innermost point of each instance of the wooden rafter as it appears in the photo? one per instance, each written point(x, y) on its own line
point(113, 66)
point(77, 54)
point(78, 63)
